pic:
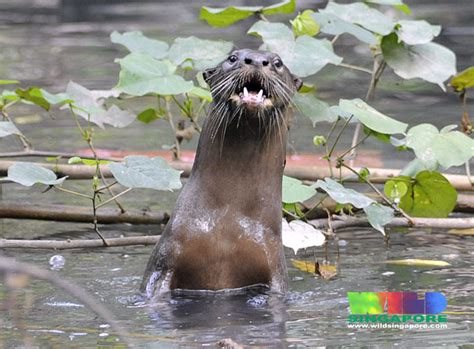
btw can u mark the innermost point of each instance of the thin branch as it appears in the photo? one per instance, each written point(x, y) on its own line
point(377, 70)
point(334, 39)
point(169, 116)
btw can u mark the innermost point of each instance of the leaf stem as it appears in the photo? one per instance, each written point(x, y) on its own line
point(169, 116)
point(73, 192)
point(23, 139)
point(375, 189)
point(355, 67)
point(113, 198)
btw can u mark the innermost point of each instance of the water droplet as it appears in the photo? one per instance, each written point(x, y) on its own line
point(57, 262)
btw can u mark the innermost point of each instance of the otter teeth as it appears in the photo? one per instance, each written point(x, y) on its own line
point(252, 97)
point(246, 92)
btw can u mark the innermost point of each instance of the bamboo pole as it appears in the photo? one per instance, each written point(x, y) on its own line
point(78, 243)
point(311, 173)
point(79, 214)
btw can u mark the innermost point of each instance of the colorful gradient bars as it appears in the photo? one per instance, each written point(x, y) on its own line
point(396, 303)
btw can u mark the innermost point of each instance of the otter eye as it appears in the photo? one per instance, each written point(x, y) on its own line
point(278, 63)
point(233, 59)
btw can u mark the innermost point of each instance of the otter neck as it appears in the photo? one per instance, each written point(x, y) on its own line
point(245, 164)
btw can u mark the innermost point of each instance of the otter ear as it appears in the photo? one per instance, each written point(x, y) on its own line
point(298, 82)
point(208, 73)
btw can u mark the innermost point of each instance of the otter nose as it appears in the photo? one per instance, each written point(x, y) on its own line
point(256, 60)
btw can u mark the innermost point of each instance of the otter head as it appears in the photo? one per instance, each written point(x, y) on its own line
point(252, 82)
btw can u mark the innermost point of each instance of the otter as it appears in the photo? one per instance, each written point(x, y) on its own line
point(225, 230)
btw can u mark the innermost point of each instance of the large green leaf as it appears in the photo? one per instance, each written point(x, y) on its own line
point(90, 106)
point(293, 190)
point(463, 80)
point(371, 117)
point(142, 74)
point(144, 172)
point(313, 108)
point(379, 216)
point(446, 148)
point(223, 17)
point(428, 195)
point(431, 62)
point(361, 14)
point(29, 174)
point(304, 56)
point(203, 53)
point(7, 128)
point(416, 32)
point(304, 24)
point(343, 195)
point(331, 24)
point(136, 42)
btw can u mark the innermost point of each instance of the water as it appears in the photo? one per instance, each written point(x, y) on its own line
point(47, 47)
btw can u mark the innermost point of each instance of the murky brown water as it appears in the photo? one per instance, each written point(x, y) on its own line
point(41, 46)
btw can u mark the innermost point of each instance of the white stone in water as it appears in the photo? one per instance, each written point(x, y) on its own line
point(57, 262)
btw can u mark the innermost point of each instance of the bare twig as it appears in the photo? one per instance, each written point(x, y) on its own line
point(24, 140)
point(355, 67)
point(45, 153)
point(113, 198)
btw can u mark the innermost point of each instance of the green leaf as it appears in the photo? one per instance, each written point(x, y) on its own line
point(223, 17)
point(149, 115)
point(9, 82)
point(446, 148)
point(378, 216)
point(304, 24)
point(285, 7)
point(74, 160)
point(416, 32)
point(371, 117)
point(201, 93)
point(361, 14)
point(463, 80)
point(429, 195)
point(136, 42)
point(431, 62)
point(304, 56)
point(343, 195)
point(395, 190)
point(42, 98)
point(7, 128)
point(89, 106)
point(313, 108)
point(143, 172)
point(293, 190)
point(203, 53)
point(398, 4)
point(331, 24)
point(29, 174)
point(141, 74)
